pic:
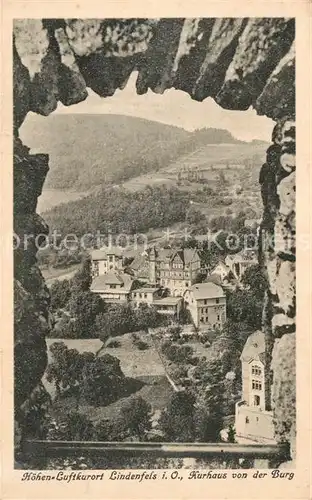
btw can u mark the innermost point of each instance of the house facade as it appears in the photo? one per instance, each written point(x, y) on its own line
point(105, 260)
point(169, 306)
point(252, 420)
point(145, 295)
point(113, 287)
point(207, 305)
point(176, 270)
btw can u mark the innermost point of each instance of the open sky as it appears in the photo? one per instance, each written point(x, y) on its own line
point(176, 108)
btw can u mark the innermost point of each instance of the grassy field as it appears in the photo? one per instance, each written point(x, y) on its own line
point(53, 274)
point(143, 366)
point(133, 362)
point(52, 197)
point(155, 390)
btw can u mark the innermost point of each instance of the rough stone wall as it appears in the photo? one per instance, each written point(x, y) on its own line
point(239, 63)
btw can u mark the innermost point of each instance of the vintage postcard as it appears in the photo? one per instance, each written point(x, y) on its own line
point(156, 249)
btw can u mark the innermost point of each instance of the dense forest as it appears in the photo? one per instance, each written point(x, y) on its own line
point(120, 211)
point(91, 150)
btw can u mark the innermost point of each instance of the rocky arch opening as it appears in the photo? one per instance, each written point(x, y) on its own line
point(239, 63)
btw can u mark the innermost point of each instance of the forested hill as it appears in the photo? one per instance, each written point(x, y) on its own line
point(120, 211)
point(90, 150)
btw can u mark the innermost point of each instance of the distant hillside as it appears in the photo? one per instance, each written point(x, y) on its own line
point(91, 150)
point(120, 211)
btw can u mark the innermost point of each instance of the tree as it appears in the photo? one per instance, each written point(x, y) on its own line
point(244, 306)
point(56, 370)
point(177, 419)
point(194, 217)
point(66, 368)
point(147, 317)
point(254, 279)
point(103, 380)
point(209, 414)
point(73, 426)
point(117, 320)
point(111, 430)
point(200, 277)
point(82, 280)
point(84, 307)
point(60, 294)
point(178, 354)
point(231, 434)
point(136, 414)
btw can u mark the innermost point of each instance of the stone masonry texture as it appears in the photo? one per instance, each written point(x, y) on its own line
point(237, 62)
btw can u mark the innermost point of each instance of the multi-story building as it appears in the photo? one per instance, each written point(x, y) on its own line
point(140, 267)
point(207, 305)
point(154, 296)
point(113, 287)
point(175, 269)
point(252, 420)
point(106, 259)
point(169, 306)
point(145, 295)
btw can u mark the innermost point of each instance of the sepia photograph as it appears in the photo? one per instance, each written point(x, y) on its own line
point(154, 246)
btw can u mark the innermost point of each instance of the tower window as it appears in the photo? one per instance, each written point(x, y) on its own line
point(256, 370)
point(256, 385)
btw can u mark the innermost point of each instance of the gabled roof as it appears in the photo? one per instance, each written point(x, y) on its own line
point(207, 291)
point(138, 262)
point(102, 282)
point(102, 253)
point(254, 347)
point(187, 255)
point(190, 254)
point(223, 265)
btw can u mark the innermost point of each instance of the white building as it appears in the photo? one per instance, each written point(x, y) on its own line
point(252, 421)
point(106, 259)
point(207, 305)
point(113, 287)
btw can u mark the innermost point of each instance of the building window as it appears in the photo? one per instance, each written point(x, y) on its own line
point(256, 385)
point(256, 370)
point(256, 401)
point(112, 286)
point(186, 284)
point(247, 420)
point(110, 258)
point(205, 301)
point(202, 319)
point(218, 317)
point(145, 295)
point(217, 301)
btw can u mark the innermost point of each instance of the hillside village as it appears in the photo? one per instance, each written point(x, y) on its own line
point(165, 326)
point(156, 341)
